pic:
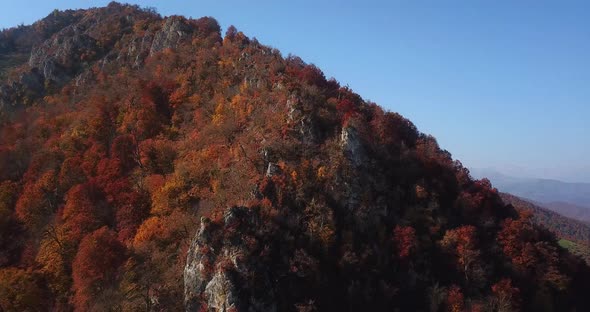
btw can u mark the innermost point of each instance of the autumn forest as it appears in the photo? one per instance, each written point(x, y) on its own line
point(160, 164)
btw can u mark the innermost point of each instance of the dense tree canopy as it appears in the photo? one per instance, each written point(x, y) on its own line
point(119, 146)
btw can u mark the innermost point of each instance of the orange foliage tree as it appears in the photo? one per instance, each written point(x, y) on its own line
point(461, 243)
point(22, 290)
point(455, 299)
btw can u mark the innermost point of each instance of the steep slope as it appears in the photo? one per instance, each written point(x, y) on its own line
point(150, 164)
point(65, 45)
point(16, 43)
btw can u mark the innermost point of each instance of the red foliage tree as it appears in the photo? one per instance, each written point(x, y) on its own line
point(83, 211)
point(9, 226)
point(392, 129)
point(132, 209)
point(92, 157)
point(101, 125)
point(95, 268)
point(313, 76)
point(347, 108)
point(71, 173)
point(206, 26)
point(404, 238)
point(230, 33)
point(126, 151)
point(514, 238)
point(42, 162)
point(157, 156)
point(37, 201)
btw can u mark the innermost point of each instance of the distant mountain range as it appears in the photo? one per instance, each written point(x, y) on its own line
point(568, 199)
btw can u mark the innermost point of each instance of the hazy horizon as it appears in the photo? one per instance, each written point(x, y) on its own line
point(501, 85)
point(520, 173)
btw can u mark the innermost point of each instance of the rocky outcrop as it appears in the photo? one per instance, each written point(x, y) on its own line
point(62, 56)
point(64, 45)
point(70, 43)
point(196, 269)
point(301, 119)
point(173, 31)
point(222, 262)
point(220, 292)
point(138, 50)
point(352, 146)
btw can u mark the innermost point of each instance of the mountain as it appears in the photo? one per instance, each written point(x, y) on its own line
point(150, 163)
point(577, 212)
point(573, 233)
point(569, 199)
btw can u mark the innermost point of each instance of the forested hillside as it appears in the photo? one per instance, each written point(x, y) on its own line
point(574, 234)
point(156, 164)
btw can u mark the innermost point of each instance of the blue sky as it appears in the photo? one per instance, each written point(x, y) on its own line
point(500, 84)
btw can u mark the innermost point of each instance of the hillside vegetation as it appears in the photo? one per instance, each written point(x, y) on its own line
point(574, 235)
point(150, 163)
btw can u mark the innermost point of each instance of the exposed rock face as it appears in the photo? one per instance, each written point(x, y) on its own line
point(272, 169)
point(352, 146)
point(69, 48)
point(220, 292)
point(32, 82)
point(67, 44)
point(301, 118)
point(79, 42)
point(138, 50)
point(60, 57)
point(172, 32)
point(195, 272)
point(219, 271)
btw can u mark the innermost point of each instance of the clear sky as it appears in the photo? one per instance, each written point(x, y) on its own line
point(500, 84)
